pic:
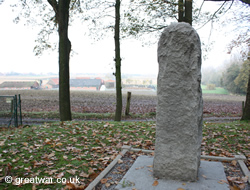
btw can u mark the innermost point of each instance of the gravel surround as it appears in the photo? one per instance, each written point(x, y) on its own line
point(120, 169)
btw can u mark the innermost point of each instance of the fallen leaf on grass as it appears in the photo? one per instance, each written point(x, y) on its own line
point(148, 142)
point(15, 160)
point(47, 141)
point(60, 175)
point(155, 183)
point(59, 144)
point(225, 137)
point(51, 155)
point(65, 157)
point(83, 175)
point(37, 164)
point(2, 179)
point(71, 171)
point(90, 171)
point(2, 142)
point(73, 186)
point(51, 172)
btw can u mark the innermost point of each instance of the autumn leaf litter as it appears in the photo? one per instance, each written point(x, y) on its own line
point(84, 149)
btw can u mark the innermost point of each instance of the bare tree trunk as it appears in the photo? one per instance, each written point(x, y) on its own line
point(188, 11)
point(180, 11)
point(185, 12)
point(118, 111)
point(64, 56)
point(61, 9)
point(246, 110)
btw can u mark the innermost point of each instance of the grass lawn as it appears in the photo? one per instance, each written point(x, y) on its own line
point(218, 90)
point(84, 149)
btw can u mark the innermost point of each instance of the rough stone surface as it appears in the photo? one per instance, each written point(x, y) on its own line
point(180, 105)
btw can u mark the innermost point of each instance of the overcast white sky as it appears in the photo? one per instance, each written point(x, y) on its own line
point(17, 43)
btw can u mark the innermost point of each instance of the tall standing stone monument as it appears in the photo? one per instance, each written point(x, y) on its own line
point(180, 105)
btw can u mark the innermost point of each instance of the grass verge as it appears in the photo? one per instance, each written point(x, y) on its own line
point(83, 149)
point(86, 116)
point(218, 90)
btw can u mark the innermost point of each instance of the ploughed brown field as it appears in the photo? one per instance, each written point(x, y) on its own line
point(104, 102)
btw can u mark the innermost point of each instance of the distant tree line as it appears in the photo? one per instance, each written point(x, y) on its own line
point(235, 77)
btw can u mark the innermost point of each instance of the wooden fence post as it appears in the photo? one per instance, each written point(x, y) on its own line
point(243, 106)
point(128, 103)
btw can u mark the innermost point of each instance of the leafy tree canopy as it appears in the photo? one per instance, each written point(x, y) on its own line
point(235, 77)
point(242, 79)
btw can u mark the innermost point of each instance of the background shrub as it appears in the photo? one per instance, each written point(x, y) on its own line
point(210, 87)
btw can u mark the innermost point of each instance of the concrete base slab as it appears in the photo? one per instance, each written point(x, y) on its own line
point(140, 177)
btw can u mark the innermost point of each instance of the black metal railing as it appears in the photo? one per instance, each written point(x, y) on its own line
point(10, 110)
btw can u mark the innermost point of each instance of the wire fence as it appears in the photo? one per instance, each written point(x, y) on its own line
point(10, 111)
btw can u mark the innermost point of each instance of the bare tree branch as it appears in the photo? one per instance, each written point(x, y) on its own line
point(54, 5)
point(213, 16)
